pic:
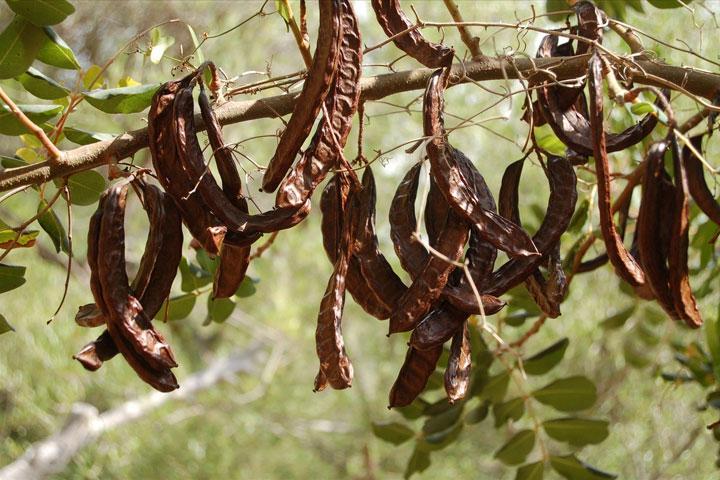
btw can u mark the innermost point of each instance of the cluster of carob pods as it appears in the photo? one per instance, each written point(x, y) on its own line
point(461, 218)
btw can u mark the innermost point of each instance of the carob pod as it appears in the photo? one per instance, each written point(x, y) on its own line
point(625, 265)
point(143, 347)
point(203, 225)
point(454, 184)
point(313, 93)
point(393, 21)
point(649, 225)
point(457, 372)
point(335, 366)
point(571, 126)
point(413, 376)
point(683, 298)
point(697, 186)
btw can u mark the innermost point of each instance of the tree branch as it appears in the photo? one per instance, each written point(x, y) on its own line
point(689, 80)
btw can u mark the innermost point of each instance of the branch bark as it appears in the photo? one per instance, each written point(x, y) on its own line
point(85, 424)
point(693, 81)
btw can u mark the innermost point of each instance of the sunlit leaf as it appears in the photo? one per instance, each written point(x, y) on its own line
point(26, 240)
point(28, 155)
point(284, 10)
point(10, 125)
point(392, 432)
point(19, 45)
point(517, 448)
point(196, 44)
point(159, 46)
point(573, 469)
point(544, 361)
point(568, 394)
point(128, 81)
point(92, 78)
point(42, 12)
point(52, 225)
point(54, 51)
point(577, 431)
point(122, 100)
point(11, 277)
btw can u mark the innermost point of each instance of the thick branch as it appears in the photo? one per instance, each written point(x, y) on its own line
point(703, 84)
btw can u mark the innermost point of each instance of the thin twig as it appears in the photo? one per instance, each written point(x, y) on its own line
point(55, 156)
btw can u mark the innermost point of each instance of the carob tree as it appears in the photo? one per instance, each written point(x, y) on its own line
point(453, 283)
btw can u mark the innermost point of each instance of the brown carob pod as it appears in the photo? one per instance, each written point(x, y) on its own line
point(697, 186)
point(570, 124)
point(413, 376)
point(457, 372)
point(683, 298)
point(625, 265)
point(590, 23)
point(311, 98)
point(335, 366)
point(454, 184)
point(96, 352)
point(203, 225)
point(393, 21)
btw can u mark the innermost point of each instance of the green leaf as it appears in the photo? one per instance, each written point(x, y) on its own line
point(496, 387)
point(209, 264)
point(220, 309)
point(19, 45)
point(83, 137)
point(86, 187)
point(393, 432)
point(444, 420)
point(10, 125)
point(512, 409)
point(568, 394)
point(196, 44)
point(122, 100)
point(50, 222)
point(5, 326)
point(54, 51)
point(178, 307)
point(414, 410)
point(40, 85)
point(92, 78)
point(577, 431)
point(547, 140)
point(247, 287)
point(573, 469)
point(478, 414)
point(284, 11)
point(7, 238)
point(418, 463)
point(618, 320)
point(641, 108)
point(11, 277)
point(544, 361)
point(712, 337)
point(531, 471)
point(42, 12)
point(192, 276)
point(440, 440)
point(159, 46)
point(666, 4)
point(517, 448)
point(556, 6)
point(579, 217)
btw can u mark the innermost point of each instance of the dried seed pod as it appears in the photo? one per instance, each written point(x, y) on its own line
point(413, 376)
point(683, 298)
point(457, 373)
point(314, 90)
point(96, 352)
point(590, 22)
point(454, 184)
point(393, 21)
point(89, 315)
point(697, 186)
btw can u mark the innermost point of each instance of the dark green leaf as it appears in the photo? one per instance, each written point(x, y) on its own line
point(12, 162)
point(436, 380)
point(122, 100)
point(246, 288)
point(531, 471)
point(86, 187)
point(192, 276)
point(573, 469)
point(618, 320)
point(517, 448)
point(568, 394)
point(444, 420)
point(418, 463)
point(11, 277)
point(54, 51)
point(5, 326)
point(10, 125)
point(207, 263)
point(220, 309)
point(82, 137)
point(40, 85)
point(496, 387)
point(52, 225)
point(478, 414)
point(577, 431)
point(177, 307)
point(414, 410)
point(512, 409)
point(19, 45)
point(556, 6)
point(440, 440)
point(544, 361)
point(393, 432)
point(42, 12)
point(437, 408)
point(579, 217)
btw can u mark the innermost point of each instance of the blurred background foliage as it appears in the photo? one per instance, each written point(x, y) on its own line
point(271, 425)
